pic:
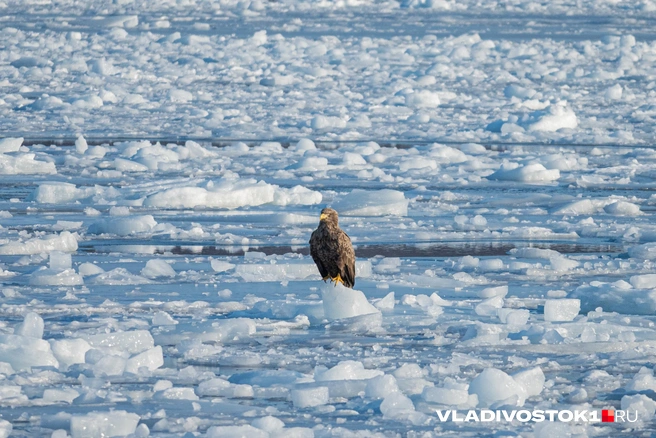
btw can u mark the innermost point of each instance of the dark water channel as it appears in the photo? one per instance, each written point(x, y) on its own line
point(428, 249)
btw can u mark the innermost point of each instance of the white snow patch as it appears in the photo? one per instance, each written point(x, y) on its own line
point(643, 252)
point(150, 359)
point(449, 155)
point(163, 318)
point(245, 431)
point(276, 272)
point(157, 268)
point(614, 92)
point(386, 303)
point(69, 351)
point(65, 241)
point(535, 253)
point(623, 208)
point(124, 226)
point(123, 165)
point(297, 195)
point(642, 381)
point(373, 203)
point(51, 277)
point(496, 291)
point(56, 193)
point(640, 405)
point(489, 307)
point(620, 296)
point(567, 162)
point(32, 326)
point(86, 269)
point(312, 164)
point(417, 163)
point(494, 385)
point(513, 316)
point(514, 90)
point(341, 302)
point(447, 396)
point(553, 118)
point(133, 342)
point(220, 265)
point(23, 352)
point(118, 276)
point(231, 194)
point(310, 397)
point(67, 395)
point(59, 261)
point(561, 310)
point(229, 330)
point(644, 281)
point(422, 99)
point(345, 370)
point(305, 144)
point(531, 380)
point(562, 263)
point(10, 144)
point(24, 164)
point(81, 145)
point(269, 424)
point(381, 386)
point(530, 173)
point(180, 96)
point(5, 429)
point(228, 195)
point(321, 122)
point(397, 406)
point(106, 424)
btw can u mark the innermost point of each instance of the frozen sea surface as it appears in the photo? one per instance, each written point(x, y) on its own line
point(172, 282)
point(155, 277)
point(377, 70)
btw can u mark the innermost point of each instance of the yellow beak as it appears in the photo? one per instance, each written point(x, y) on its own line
point(323, 216)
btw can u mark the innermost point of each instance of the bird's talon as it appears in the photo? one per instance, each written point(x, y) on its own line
point(337, 279)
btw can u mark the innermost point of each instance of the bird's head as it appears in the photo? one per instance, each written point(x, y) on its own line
point(328, 216)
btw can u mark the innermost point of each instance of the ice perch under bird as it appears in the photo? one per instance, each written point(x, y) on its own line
point(331, 250)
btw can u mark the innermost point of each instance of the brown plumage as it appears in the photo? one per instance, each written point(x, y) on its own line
point(331, 249)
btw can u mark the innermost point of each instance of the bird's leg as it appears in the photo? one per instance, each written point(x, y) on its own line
point(337, 279)
point(327, 277)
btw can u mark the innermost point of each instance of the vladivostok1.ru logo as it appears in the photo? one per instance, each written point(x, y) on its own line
point(611, 416)
point(538, 415)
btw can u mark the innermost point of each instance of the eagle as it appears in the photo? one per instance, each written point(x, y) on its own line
point(331, 250)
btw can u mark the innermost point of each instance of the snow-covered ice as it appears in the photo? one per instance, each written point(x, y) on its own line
point(164, 164)
point(373, 203)
point(32, 326)
point(561, 309)
point(310, 397)
point(341, 302)
point(94, 424)
point(533, 173)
